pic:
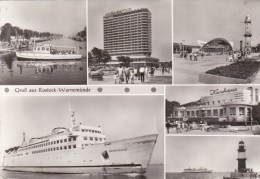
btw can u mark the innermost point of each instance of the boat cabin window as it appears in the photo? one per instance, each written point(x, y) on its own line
point(74, 146)
point(100, 139)
point(91, 138)
point(57, 148)
point(65, 147)
point(65, 140)
point(60, 148)
point(57, 141)
point(38, 49)
point(43, 48)
point(47, 49)
point(54, 142)
point(96, 139)
point(85, 138)
point(61, 141)
point(69, 146)
point(69, 139)
point(74, 138)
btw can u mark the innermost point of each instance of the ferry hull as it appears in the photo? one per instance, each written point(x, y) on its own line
point(95, 170)
point(35, 56)
point(122, 157)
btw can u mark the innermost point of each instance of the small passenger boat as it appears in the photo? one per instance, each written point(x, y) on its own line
point(49, 52)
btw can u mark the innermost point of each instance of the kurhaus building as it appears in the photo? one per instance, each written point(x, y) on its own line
point(129, 33)
point(221, 105)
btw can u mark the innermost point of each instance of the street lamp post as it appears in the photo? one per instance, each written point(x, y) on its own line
point(183, 48)
point(251, 117)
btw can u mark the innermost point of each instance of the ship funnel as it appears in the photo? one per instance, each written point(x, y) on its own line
point(72, 117)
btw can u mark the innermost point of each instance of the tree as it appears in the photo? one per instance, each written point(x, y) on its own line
point(27, 33)
point(6, 32)
point(256, 113)
point(82, 34)
point(105, 57)
point(170, 106)
point(125, 60)
point(99, 56)
point(90, 59)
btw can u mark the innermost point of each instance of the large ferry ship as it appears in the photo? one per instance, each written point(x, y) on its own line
point(197, 170)
point(81, 149)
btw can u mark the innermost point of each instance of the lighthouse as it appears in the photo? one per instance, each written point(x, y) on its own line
point(241, 157)
point(248, 35)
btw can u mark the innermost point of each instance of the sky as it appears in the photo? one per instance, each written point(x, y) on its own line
point(217, 153)
point(186, 94)
point(120, 117)
point(208, 19)
point(161, 23)
point(62, 17)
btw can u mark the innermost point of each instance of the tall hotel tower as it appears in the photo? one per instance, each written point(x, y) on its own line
point(129, 33)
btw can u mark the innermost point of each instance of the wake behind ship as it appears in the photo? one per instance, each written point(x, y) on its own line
point(81, 149)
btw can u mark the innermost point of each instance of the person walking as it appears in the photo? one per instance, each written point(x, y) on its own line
point(188, 127)
point(127, 74)
point(178, 127)
point(120, 74)
point(191, 56)
point(195, 57)
point(168, 125)
point(146, 71)
point(116, 77)
point(163, 70)
point(182, 126)
point(138, 72)
point(132, 76)
point(142, 70)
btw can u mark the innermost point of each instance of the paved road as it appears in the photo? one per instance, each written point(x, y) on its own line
point(187, 72)
point(157, 79)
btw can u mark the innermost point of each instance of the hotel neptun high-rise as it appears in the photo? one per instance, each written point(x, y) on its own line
point(129, 33)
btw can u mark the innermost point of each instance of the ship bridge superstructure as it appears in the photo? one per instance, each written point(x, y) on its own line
point(62, 139)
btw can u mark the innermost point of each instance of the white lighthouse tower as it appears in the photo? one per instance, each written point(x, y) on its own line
point(248, 35)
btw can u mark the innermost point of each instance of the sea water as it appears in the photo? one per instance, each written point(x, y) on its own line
point(213, 175)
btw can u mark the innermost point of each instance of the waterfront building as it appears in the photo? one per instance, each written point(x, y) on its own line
point(128, 32)
point(233, 105)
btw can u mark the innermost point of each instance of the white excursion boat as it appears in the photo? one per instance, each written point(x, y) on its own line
point(49, 52)
point(81, 149)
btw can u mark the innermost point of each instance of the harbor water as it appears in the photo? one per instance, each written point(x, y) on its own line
point(213, 175)
point(155, 172)
point(60, 72)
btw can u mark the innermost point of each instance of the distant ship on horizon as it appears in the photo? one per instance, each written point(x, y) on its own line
point(81, 149)
point(197, 170)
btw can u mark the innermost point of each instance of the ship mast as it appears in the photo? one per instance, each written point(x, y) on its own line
point(24, 143)
point(72, 117)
